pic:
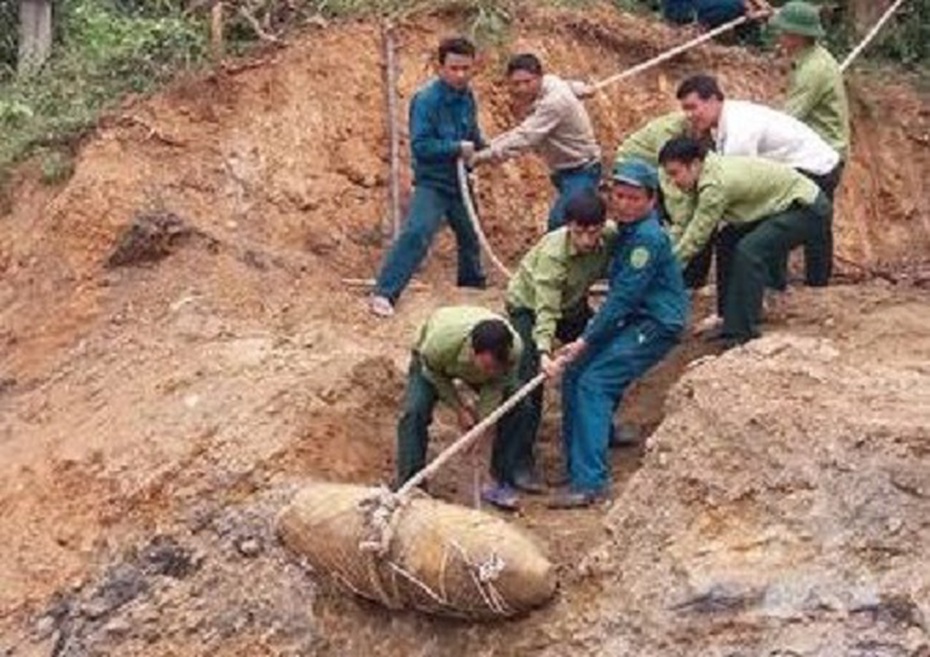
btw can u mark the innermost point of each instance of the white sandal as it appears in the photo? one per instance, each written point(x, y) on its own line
point(381, 307)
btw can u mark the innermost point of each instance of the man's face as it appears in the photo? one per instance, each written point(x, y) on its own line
point(791, 43)
point(585, 239)
point(524, 86)
point(631, 203)
point(457, 70)
point(703, 115)
point(685, 176)
point(488, 365)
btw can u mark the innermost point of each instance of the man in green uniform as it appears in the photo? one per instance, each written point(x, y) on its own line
point(672, 204)
point(478, 348)
point(770, 208)
point(547, 300)
point(816, 91)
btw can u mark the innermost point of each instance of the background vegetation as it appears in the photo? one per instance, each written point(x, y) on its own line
point(104, 49)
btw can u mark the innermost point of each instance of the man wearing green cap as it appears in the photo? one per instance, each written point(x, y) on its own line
point(816, 92)
point(547, 301)
point(639, 323)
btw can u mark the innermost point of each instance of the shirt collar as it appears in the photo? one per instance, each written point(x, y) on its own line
point(450, 91)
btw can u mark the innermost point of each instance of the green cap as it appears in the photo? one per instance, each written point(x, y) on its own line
point(800, 18)
point(636, 173)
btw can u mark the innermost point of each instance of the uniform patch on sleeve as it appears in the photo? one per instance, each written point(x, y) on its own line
point(639, 257)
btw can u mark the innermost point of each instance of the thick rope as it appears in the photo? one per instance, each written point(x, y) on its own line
point(469, 202)
point(669, 54)
point(470, 436)
point(871, 35)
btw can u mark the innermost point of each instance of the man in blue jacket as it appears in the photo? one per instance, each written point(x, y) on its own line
point(443, 128)
point(641, 320)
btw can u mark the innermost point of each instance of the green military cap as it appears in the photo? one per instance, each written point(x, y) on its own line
point(636, 173)
point(801, 18)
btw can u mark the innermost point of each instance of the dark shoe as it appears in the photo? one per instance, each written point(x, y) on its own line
point(501, 496)
point(529, 482)
point(574, 500)
point(623, 436)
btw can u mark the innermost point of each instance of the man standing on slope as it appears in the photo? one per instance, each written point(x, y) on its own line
point(770, 207)
point(816, 91)
point(547, 300)
point(443, 128)
point(641, 320)
point(558, 126)
point(744, 128)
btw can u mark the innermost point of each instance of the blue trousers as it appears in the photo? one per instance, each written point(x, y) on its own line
point(567, 182)
point(427, 210)
point(593, 387)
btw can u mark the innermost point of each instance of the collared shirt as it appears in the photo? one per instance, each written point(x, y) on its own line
point(444, 346)
point(441, 117)
point(757, 130)
point(645, 283)
point(817, 96)
point(553, 279)
point(739, 190)
point(558, 127)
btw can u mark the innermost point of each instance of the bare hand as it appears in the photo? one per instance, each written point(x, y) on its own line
point(585, 91)
point(550, 366)
point(483, 156)
point(467, 151)
point(572, 351)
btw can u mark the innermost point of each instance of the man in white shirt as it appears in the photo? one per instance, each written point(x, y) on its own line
point(741, 127)
point(556, 125)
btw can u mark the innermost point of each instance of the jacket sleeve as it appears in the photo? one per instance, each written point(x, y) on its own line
point(711, 205)
point(548, 278)
point(474, 132)
point(425, 139)
point(631, 273)
point(529, 134)
point(803, 95)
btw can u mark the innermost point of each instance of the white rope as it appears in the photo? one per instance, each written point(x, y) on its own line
point(669, 54)
point(473, 217)
point(871, 35)
point(471, 436)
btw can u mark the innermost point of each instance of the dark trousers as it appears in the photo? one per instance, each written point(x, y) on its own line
point(756, 260)
point(417, 416)
point(818, 259)
point(528, 417)
point(427, 210)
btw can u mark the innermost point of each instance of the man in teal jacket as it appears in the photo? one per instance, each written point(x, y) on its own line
point(443, 128)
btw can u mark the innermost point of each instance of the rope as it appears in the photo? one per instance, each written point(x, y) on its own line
point(669, 54)
point(473, 217)
point(871, 35)
point(470, 436)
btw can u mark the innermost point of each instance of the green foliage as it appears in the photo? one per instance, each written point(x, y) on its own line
point(57, 165)
point(104, 49)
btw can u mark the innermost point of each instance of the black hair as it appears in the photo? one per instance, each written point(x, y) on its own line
point(586, 208)
point(525, 62)
point(455, 46)
point(493, 336)
point(705, 86)
point(682, 149)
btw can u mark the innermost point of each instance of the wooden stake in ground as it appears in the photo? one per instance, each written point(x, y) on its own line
point(390, 95)
point(217, 42)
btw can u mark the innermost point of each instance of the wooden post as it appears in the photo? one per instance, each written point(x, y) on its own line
point(35, 34)
point(217, 43)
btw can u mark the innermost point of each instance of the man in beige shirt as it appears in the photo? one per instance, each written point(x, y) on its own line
point(557, 127)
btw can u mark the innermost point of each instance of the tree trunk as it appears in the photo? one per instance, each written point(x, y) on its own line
point(35, 34)
point(865, 13)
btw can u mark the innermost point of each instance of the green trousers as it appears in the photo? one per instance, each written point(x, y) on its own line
point(757, 258)
point(416, 417)
point(527, 417)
